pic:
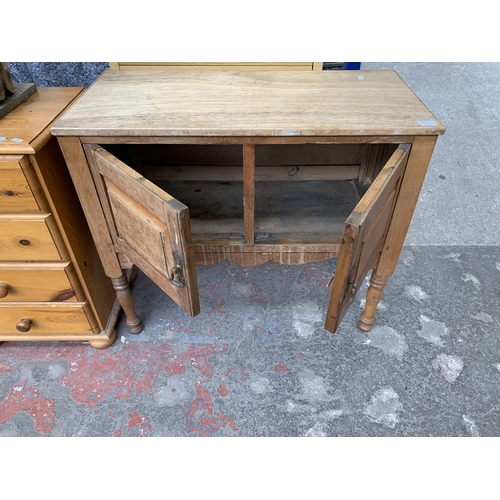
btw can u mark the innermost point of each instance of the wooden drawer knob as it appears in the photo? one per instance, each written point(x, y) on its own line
point(4, 289)
point(24, 325)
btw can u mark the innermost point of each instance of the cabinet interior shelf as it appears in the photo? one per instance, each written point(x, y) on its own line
point(303, 193)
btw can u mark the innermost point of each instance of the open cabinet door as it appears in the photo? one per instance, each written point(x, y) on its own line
point(364, 236)
point(148, 226)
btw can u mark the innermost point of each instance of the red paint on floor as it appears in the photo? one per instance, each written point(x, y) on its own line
point(207, 421)
point(119, 373)
point(205, 425)
point(96, 375)
point(179, 325)
point(222, 391)
point(258, 296)
point(198, 356)
point(5, 367)
point(219, 302)
point(29, 400)
point(281, 368)
point(212, 287)
point(142, 422)
point(203, 401)
point(117, 433)
point(240, 370)
point(317, 272)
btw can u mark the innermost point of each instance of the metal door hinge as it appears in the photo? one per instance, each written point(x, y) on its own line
point(349, 280)
point(176, 275)
point(354, 285)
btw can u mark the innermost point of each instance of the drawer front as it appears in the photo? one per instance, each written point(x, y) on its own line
point(44, 319)
point(37, 284)
point(28, 239)
point(15, 191)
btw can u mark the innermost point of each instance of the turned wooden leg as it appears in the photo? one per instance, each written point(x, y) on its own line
point(373, 297)
point(132, 274)
point(124, 296)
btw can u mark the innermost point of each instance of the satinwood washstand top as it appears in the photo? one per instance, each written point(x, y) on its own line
point(247, 103)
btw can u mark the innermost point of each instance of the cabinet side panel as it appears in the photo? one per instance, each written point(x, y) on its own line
point(56, 182)
point(418, 162)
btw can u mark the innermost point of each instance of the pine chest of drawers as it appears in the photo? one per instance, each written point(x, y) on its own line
point(52, 284)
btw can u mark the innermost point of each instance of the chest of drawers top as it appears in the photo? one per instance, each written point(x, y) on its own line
point(26, 129)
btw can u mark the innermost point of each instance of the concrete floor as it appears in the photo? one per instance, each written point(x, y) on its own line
point(257, 361)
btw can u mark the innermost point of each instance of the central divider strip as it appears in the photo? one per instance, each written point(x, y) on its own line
point(249, 193)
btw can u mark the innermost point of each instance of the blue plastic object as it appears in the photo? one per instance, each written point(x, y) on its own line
point(352, 65)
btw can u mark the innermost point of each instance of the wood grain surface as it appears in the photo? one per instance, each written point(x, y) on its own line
point(24, 135)
point(15, 192)
point(28, 238)
point(46, 318)
point(38, 282)
point(248, 103)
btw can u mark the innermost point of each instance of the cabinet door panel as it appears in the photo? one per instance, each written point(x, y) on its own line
point(364, 236)
point(148, 226)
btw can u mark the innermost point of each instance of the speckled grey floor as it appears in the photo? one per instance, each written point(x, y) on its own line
point(257, 362)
